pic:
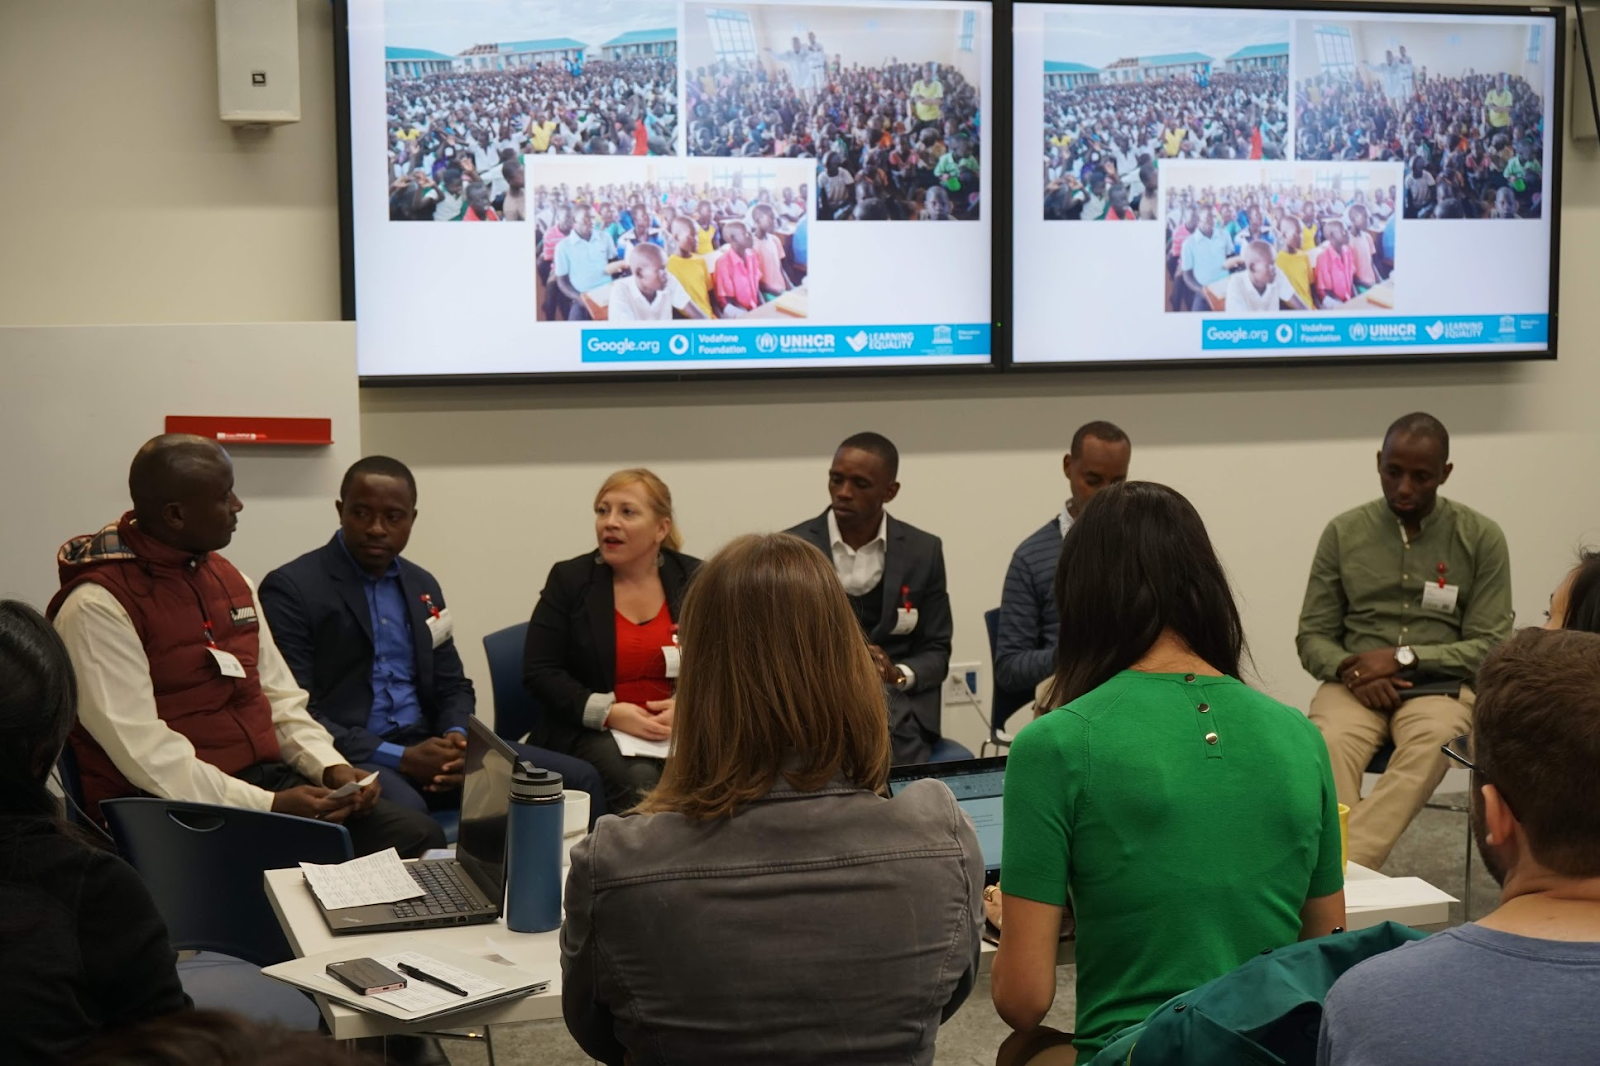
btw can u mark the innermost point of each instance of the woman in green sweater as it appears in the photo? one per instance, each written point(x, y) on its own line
point(1189, 821)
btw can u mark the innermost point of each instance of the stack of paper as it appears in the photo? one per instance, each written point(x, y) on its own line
point(485, 980)
point(377, 878)
point(631, 745)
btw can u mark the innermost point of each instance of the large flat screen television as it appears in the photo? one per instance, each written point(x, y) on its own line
point(1351, 182)
point(673, 187)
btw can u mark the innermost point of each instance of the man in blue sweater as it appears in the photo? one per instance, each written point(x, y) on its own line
point(1025, 647)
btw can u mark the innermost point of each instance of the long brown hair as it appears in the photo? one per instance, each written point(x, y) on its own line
point(656, 494)
point(774, 668)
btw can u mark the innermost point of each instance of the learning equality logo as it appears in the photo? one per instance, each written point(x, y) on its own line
point(857, 340)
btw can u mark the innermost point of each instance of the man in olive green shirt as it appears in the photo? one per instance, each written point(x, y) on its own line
point(1405, 590)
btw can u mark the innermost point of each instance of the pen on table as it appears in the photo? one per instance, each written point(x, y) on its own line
point(411, 971)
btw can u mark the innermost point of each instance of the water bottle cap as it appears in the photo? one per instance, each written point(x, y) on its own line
point(530, 782)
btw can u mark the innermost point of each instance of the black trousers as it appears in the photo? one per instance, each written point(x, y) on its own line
point(626, 778)
point(387, 825)
point(909, 743)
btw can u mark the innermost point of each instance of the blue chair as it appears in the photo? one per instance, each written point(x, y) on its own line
point(947, 750)
point(515, 710)
point(1003, 703)
point(1380, 763)
point(203, 865)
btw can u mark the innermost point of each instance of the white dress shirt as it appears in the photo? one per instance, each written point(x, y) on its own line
point(860, 569)
point(117, 705)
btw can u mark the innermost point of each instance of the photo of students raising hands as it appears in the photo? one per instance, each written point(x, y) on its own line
point(1257, 238)
point(695, 240)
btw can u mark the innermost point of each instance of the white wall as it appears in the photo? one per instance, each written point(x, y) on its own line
point(76, 402)
point(507, 474)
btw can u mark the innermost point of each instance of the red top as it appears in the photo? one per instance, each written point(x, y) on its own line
point(641, 668)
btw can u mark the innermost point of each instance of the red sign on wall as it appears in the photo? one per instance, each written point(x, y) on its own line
point(246, 429)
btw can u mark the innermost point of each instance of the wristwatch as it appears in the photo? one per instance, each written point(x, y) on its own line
point(1405, 656)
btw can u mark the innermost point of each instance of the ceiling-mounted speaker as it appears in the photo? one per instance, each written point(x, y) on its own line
point(258, 62)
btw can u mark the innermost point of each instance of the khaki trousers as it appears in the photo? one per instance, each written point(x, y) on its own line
point(1354, 734)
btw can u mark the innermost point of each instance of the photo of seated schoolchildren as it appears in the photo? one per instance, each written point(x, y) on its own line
point(1201, 86)
point(1257, 238)
point(670, 240)
point(1459, 106)
point(475, 88)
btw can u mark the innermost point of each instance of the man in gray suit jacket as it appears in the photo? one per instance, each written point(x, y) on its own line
point(894, 576)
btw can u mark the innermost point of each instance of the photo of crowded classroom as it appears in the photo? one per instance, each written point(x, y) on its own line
point(1254, 238)
point(1206, 87)
point(1460, 106)
point(696, 241)
point(492, 88)
point(886, 101)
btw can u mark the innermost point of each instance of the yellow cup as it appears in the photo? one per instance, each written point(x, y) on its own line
point(1344, 833)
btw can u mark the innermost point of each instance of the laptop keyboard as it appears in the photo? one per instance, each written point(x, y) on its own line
point(446, 893)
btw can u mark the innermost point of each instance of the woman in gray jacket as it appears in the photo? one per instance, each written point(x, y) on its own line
point(767, 903)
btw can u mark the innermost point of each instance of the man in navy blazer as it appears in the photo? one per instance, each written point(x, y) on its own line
point(894, 574)
point(370, 637)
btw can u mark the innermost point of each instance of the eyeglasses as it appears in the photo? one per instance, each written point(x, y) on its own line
point(1460, 750)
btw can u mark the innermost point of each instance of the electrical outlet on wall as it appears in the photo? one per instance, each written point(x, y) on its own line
point(962, 684)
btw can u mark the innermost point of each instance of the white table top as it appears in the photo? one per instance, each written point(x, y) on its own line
point(1406, 900)
point(1381, 899)
point(308, 934)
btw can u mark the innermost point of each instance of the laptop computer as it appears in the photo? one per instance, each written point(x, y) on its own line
point(979, 785)
point(466, 890)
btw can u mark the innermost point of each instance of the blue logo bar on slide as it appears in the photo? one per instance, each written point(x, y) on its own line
point(1354, 332)
point(694, 343)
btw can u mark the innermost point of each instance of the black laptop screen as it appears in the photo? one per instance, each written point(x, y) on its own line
point(485, 803)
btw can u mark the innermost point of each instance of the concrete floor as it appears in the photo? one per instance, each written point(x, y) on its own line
point(1432, 848)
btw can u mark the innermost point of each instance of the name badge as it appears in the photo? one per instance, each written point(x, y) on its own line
point(243, 616)
point(670, 653)
point(1440, 598)
point(227, 662)
point(441, 627)
point(905, 620)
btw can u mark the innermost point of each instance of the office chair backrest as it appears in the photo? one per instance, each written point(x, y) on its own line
point(203, 865)
point(515, 710)
point(1003, 703)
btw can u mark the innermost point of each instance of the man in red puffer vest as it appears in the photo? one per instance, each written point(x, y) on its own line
point(182, 693)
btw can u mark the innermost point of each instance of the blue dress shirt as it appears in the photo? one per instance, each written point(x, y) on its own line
point(396, 708)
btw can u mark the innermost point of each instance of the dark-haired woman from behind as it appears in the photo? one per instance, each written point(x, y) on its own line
point(82, 949)
point(1575, 604)
point(1190, 820)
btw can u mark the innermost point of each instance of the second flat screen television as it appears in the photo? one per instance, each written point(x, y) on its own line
point(672, 186)
point(1286, 184)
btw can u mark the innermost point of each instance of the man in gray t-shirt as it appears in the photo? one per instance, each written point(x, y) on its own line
point(1523, 984)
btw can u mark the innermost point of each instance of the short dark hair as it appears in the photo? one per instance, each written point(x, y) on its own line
point(1536, 738)
point(1583, 595)
point(1420, 424)
point(382, 466)
point(1136, 562)
point(1106, 431)
point(878, 445)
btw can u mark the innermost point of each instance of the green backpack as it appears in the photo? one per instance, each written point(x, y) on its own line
point(1268, 1011)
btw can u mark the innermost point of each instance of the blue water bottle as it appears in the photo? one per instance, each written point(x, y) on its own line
point(533, 850)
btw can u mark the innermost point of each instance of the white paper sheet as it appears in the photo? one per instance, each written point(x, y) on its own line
point(378, 878)
point(420, 996)
point(631, 745)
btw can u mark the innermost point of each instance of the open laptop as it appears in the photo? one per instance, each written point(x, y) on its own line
point(979, 785)
point(466, 890)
